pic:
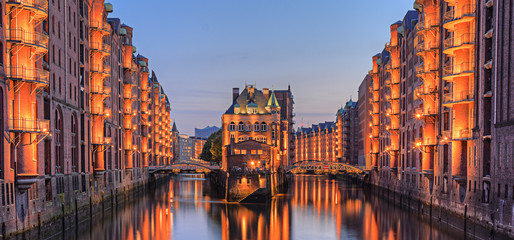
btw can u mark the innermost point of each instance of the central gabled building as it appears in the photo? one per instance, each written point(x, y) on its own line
point(252, 128)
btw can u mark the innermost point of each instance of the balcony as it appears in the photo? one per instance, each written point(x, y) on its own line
point(101, 111)
point(37, 40)
point(101, 141)
point(424, 47)
point(28, 125)
point(426, 142)
point(392, 97)
point(101, 90)
point(375, 98)
point(38, 7)
point(101, 26)
point(430, 21)
point(128, 81)
point(460, 97)
point(423, 90)
point(37, 76)
point(459, 14)
point(391, 81)
point(128, 111)
point(101, 69)
point(428, 112)
point(459, 42)
point(128, 124)
point(392, 127)
point(101, 47)
point(451, 71)
point(127, 95)
point(461, 134)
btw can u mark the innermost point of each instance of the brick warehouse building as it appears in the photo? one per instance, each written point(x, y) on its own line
point(79, 109)
point(316, 143)
point(440, 116)
point(257, 129)
point(347, 135)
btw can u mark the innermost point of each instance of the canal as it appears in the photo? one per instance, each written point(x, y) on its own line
point(314, 208)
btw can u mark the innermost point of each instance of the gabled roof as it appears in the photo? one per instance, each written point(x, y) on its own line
point(246, 98)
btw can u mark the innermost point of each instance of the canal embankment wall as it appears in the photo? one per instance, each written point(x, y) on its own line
point(477, 221)
point(72, 208)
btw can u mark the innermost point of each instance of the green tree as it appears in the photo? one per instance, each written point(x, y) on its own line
point(216, 147)
point(206, 154)
point(211, 151)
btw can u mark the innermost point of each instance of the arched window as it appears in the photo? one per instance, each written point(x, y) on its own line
point(108, 155)
point(1, 50)
point(264, 127)
point(248, 127)
point(232, 126)
point(58, 133)
point(74, 143)
point(256, 127)
point(241, 127)
point(2, 132)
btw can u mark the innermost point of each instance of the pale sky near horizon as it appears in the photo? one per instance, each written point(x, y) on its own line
point(201, 49)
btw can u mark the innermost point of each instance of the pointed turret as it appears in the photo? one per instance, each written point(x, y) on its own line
point(272, 101)
point(174, 128)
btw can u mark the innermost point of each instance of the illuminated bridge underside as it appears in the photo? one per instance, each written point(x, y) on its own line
point(319, 167)
point(183, 168)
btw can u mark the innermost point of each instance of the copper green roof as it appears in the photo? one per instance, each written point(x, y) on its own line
point(272, 101)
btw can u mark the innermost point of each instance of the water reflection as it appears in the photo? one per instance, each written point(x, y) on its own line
point(314, 208)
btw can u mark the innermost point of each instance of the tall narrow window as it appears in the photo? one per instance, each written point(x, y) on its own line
point(2, 132)
point(58, 132)
point(1, 52)
point(74, 143)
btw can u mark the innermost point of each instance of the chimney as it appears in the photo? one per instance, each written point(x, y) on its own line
point(235, 94)
point(265, 92)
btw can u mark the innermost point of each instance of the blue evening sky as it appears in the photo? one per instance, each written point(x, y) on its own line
point(201, 49)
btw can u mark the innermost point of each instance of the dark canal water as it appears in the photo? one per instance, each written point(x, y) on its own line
point(314, 208)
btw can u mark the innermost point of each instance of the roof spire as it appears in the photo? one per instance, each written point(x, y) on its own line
point(272, 101)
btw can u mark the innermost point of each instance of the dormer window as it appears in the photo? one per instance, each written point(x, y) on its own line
point(237, 109)
point(252, 108)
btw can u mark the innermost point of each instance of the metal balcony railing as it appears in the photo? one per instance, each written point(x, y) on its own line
point(459, 40)
point(127, 111)
point(28, 125)
point(425, 90)
point(457, 69)
point(461, 134)
point(99, 68)
point(41, 5)
point(101, 111)
point(101, 47)
point(430, 111)
point(99, 89)
point(101, 140)
point(32, 38)
point(459, 12)
point(429, 142)
point(100, 26)
point(31, 75)
point(465, 95)
point(430, 20)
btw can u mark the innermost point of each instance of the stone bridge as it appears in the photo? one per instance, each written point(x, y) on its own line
point(323, 167)
point(184, 167)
